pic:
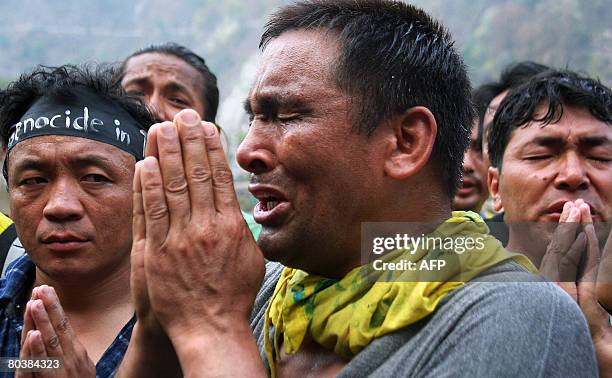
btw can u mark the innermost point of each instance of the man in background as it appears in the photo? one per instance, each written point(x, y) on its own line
point(170, 77)
point(551, 149)
point(473, 191)
point(486, 99)
point(488, 96)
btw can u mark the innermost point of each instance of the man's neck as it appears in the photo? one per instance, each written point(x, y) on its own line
point(412, 222)
point(526, 240)
point(88, 295)
point(97, 308)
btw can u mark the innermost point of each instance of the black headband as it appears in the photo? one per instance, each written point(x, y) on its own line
point(83, 114)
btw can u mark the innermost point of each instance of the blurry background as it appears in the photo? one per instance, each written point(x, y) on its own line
point(491, 33)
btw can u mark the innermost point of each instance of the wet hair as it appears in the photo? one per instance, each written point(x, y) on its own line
point(553, 89)
point(393, 57)
point(210, 93)
point(61, 82)
point(481, 97)
point(513, 75)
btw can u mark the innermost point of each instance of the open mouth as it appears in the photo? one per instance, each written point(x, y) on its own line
point(272, 206)
point(268, 203)
point(467, 187)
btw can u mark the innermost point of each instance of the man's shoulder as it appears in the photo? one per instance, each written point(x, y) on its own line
point(509, 287)
point(507, 322)
point(273, 273)
point(509, 293)
point(271, 277)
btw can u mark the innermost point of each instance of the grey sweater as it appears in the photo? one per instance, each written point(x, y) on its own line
point(505, 323)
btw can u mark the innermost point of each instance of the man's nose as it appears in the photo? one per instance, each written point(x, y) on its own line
point(160, 108)
point(256, 153)
point(468, 161)
point(572, 174)
point(63, 202)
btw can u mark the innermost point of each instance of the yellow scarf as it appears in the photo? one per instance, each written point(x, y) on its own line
point(346, 315)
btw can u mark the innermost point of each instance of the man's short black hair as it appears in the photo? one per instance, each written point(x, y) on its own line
point(513, 75)
point(554, 89)
point(393, 57)
point(481, 97)
point(210, 94)
point(60, 82)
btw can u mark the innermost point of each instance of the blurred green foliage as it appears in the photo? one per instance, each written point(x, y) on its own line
point(490, 33)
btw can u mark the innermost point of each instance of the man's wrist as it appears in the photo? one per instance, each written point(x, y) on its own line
point(150, 353)
point(218, 350)
point(204, 334)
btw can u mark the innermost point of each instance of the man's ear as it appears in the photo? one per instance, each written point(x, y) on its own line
point(493, 184)
point(414, 135)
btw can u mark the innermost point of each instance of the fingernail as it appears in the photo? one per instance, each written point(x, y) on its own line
point(150, 163)
point(190, 118)
point(209, 128)
point(37, 304)
point(567, 205)
point(36, 336)
point(575, 212)
point(168, 130)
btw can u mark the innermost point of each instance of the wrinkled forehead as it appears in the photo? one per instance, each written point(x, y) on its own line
point(577, 125)
point(162, 66)
point(161, 63)
point(299, 56)
point(492, 108)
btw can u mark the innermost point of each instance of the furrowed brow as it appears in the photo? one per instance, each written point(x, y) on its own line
point(176, 87)
point(143, 83)
point(595, 141)
point(91, 160)
point(547, 141)
point(246, 104)
point(267, 105)
point(274, 104)
point(27, 164)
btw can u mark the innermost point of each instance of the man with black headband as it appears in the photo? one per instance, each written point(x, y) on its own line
point(360, 112)
point(73, 138)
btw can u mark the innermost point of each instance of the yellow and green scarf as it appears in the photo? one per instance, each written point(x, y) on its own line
point(346, 315)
